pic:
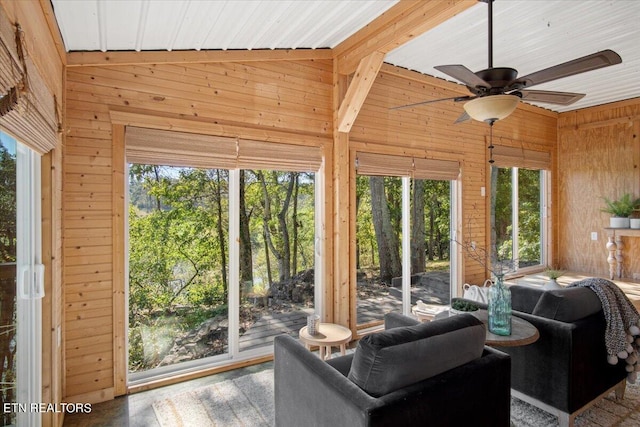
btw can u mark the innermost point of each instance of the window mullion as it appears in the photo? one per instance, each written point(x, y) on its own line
point(234, 263)
point(406, 245)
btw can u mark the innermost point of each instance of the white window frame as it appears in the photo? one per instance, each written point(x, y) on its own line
point(30, 284)
point(545, 222)
point(234, 354)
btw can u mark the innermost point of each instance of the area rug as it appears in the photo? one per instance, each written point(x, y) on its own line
point(248, 401)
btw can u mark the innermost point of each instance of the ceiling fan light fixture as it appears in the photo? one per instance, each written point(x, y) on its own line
point(491, 108)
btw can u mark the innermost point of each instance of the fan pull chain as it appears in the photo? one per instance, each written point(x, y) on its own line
point(490, 147)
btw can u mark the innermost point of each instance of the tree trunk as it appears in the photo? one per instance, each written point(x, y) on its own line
point(432, 225)
point(388, 254)
point(246, 256)
point(285, 260)
point(221, 239)
point(418, 245)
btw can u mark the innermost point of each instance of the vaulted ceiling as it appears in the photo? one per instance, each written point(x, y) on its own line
point(529, 35)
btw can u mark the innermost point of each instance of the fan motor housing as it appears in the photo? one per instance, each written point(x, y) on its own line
point(498, 78)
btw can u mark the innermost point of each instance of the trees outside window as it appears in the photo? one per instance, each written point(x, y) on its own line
point(380, 202)
point(517, 225)
point(180, 261)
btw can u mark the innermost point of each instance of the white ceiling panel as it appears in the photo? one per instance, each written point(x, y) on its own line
point(529, 35)
point(533, 35)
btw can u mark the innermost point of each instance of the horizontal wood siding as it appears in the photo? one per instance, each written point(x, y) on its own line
point(599, 156)
point(289, 101)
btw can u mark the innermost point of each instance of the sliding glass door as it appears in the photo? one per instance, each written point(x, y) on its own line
point(220, 262)
point(21, 282)
point(403, 229)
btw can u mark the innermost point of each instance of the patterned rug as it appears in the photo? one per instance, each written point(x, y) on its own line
point(248, 401)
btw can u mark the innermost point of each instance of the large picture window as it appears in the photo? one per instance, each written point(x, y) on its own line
point(403, 233)
point(222, 238)
point(518, 205)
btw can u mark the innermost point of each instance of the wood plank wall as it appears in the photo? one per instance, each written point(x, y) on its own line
point(45, 49)
point(598, 156)
point(288, 100)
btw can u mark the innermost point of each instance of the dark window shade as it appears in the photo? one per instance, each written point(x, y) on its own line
point(519, 157)
point(389, 165)
point(171, 148)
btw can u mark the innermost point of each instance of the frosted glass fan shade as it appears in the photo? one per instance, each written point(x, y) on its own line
point(492, 107)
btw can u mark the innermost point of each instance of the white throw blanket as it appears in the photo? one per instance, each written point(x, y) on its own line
point(622, 335)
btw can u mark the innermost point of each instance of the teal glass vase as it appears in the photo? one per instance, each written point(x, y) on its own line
point(499, 308)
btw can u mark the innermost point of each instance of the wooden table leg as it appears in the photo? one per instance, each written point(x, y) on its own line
point(619, 255)
point(611, 259)
point(321, 352)
point(343, 349)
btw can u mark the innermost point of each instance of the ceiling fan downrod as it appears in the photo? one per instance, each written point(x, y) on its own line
point(490, 4)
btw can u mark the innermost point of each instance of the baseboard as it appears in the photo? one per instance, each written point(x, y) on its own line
point(92, 397)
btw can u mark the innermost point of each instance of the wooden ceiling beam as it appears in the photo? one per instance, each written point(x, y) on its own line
point(358, 90)
point(401, 23)
point(84, 59)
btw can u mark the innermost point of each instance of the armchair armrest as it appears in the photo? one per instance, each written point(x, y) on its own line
point(567, 367)
point(308, 391)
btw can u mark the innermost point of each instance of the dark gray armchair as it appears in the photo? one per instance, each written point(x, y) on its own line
point(395, 367)
point(566, 370)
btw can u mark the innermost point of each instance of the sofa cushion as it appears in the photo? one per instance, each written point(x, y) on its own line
point(390, 360)
point(567, 305)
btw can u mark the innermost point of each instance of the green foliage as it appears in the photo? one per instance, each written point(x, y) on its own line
point(179, 245)
point(462, 305)
point(623, 207)
point(529, 214)
point(437, 207)
point(7, 205)
point(553, 273)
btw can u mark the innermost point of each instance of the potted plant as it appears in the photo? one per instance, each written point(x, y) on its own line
point(620, 210)
point(553, 275)
point(461, 306)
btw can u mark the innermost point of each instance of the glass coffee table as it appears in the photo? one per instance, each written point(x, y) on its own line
point(522, 332)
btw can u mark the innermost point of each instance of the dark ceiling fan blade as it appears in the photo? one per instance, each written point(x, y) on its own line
point(454, 98)
point(551, 97)
point(463, 74)
point(591, 62)
point(463, 118)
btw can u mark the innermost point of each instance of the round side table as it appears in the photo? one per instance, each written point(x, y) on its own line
point(329, 335)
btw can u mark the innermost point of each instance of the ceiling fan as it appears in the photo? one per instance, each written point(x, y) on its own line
point(496, 91)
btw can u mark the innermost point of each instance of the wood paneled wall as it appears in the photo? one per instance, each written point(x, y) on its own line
point(44, 47)
point(284, 101)
point(288, 101)
point(598, 156)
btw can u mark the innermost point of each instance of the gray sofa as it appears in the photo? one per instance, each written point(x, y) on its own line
point(566, 370)
point(436, 374)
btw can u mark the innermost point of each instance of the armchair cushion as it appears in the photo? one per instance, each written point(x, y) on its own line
point(393, 359)
point(567, 305)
